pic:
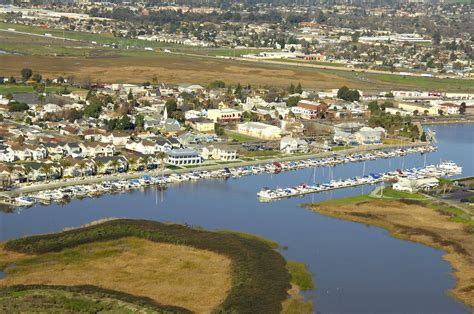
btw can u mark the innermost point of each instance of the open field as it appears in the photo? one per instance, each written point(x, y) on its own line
point(54, 57)
point(151, 264)
point(169, 274)
point(424, 221)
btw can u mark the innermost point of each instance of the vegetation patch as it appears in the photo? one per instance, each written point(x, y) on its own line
point(259, 278)
point(300, 276)
point(79, 299)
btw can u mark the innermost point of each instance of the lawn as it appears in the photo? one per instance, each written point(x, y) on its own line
point(338, 148)
point(391, 193)
point(261, 153)
point(5, 89)
point(240, 137)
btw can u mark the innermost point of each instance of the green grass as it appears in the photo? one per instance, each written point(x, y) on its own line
point(338, 148)
point(79, 299)
point(5, 89)
point(391, 193)
point(240, 137)
point(455, 214)
point(300, 276)
point(261, 153)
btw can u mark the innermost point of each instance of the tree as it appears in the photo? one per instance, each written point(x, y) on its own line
point(115, 163)
point(139, 121)
point(171, 105)
point(46, 168)
point(416, 112)
point(298, 89)
point(130, 95)
point(162, 157)
point(291, 89)
point(440, 112)
point(462, 108)
point(436, 38)
point(293, 101)
point(217, 84)
point(423, 137)
point(124, 123)
point(26, 74)
point(37, 77)
point(218, 129)
point(348, 94)
point(39, 88)
point(99, 165)
point(17, 107)
point(373, 107)
point(145, 160)
point(93, 110)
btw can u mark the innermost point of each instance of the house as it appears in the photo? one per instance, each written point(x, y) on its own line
point(368, 135)
point(28, 152)
point(163, 145)
point(189, 88)
point(118, 138)
point(144, 147)
point(6, 153)
point(97, 149)
point(170, 126)
point(35, 171)
point(224, 115)
point(219, 152)
point(344, 133)
point(183, 157)
point(449, 108)
point(414, 185)
point(78, 167)
point(201, 124)
point(111, 164)
point(419, 108)
point(69, 130)
point(72, 149)
point(309, 110)
point(292, 145)
point(260, 130)
point(174, 142)
point(92, 135)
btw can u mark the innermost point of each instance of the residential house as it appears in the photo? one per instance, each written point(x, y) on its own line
point(78, 167)
point(111, 164)
point(118, 138)
point(368, 135)
point(144, 147)
point(219, 152)
point(97, 149)
point(93, 135)
point(292, 145)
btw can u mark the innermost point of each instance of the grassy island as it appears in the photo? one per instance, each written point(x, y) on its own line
point(122, 265)
point(416, 218)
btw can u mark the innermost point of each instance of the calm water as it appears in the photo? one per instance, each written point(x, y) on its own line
point(357, 268)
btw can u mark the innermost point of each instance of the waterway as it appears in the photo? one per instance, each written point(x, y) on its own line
point(357, 268)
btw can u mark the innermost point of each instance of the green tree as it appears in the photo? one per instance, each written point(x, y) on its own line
point(291, 89)
point(373, 107)
point(218, 129)
point(139, 121)
point(124, 123)
point(36, 77)
point(26, 74)
point(293, 101)
point(171, 105)
point(462, 108)
point(130, 95)
point(299, 89)
point(93, 110)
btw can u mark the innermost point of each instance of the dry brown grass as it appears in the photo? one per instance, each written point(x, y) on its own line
point(169, 274)
point(172, 69)
point(420, 224)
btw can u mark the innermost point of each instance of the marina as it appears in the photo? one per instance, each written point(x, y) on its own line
point(64, 194)
point(437, 171)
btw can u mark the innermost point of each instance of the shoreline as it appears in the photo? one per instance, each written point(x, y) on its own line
point(30, 188)
point(415, 222)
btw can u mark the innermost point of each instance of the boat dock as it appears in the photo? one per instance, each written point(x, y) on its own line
point(441, 170)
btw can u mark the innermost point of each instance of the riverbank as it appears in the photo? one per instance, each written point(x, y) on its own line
point(48, 185)
point(423, 221)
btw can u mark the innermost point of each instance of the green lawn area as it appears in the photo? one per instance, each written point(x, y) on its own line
point(239, 137)
point(261, 153)
point(391, 193)
point(348, 200)
point(338, 148)
point(5, 89)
